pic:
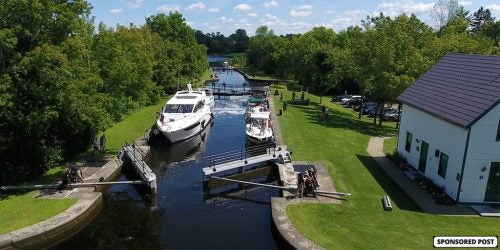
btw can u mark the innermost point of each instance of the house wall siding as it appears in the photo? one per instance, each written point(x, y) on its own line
point(483, 149)
point(440, 135)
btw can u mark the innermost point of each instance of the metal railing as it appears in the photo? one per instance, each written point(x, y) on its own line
point(137, 157)
point(240, 154)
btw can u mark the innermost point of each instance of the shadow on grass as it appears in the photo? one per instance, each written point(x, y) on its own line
point(338, 119)
point(397, 195)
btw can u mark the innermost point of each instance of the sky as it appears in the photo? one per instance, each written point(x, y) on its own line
point(281, 16)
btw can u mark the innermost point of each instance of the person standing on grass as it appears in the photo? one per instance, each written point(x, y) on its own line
point(326, 113)
point(96, 145)
point(102, 142)
point(323, 109)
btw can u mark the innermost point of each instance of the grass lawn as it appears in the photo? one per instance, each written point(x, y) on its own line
point(390, 144)
point(132, 127)
point(21, 209)
point(360, 222)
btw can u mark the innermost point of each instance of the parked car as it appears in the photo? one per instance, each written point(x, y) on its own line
point(391, 115)
point(352, 99)
point(345, 99)
point(338, 98)
point(369, 106)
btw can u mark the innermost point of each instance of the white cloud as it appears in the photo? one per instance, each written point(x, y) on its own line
point(115, 11)
point(191, 24)
point(196, 6)
point(224, 19)
point(252, 14)
point(271, 4)
point(493, 7)
point(406, 6)
point(168, 8)
point(242, 7)
point(465, 2)
point(302, 11)
point(349, 18)
point(213, 10)
point(135, 4)
point(271, 17)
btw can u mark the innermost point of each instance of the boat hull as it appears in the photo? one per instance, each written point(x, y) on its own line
point(178, 135)
point(259, 139)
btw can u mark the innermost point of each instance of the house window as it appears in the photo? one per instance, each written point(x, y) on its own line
point(498, 131)
point(443, 164)
point(409, 137)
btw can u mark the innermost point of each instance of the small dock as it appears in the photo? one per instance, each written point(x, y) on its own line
point(135, 156)
point(239, 159)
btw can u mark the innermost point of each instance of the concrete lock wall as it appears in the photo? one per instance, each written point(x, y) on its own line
point(64, 225)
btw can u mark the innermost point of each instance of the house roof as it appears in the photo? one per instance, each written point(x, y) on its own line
point(460, 88)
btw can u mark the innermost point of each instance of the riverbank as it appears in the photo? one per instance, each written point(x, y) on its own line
point(340, 144)
point(63, 225)
point(88, 201)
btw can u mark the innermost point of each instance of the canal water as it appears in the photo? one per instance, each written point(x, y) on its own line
point(184, 215)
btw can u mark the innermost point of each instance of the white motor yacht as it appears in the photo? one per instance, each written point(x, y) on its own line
point(259, 128)
point(186, 114)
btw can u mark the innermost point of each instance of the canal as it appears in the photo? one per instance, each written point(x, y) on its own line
point(184, 215)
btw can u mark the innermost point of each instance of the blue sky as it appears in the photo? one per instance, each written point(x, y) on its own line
point(292, 16)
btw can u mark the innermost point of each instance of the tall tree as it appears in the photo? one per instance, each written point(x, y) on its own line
point(480, 18)
point(443, 11)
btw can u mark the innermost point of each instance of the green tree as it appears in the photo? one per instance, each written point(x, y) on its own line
point(180, 46)
point(481, 18)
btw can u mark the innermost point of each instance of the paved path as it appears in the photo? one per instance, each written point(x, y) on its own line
point(422, 198)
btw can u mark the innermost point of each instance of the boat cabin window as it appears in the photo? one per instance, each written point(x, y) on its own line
point(178, 108)
point(258, 123)
point(198, 106)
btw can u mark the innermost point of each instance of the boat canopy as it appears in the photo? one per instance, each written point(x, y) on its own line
point(255, 100)
point(260, 115)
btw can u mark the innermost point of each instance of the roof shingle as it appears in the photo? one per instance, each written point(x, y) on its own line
point(460, 88)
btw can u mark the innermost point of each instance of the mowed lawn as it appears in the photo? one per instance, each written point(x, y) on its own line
point(132, 127)
point(22, 209)
point(360, 222)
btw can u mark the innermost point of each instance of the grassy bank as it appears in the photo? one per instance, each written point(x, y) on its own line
point(360, 222)
point(132, 127)
point(22, 209)
point(36, 209)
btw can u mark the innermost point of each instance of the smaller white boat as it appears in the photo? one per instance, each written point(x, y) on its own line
point(259, 129)
point(186, 114)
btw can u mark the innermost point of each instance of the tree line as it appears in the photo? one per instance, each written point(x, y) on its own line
point(378, 59)
point(217, 43)
point(62, 79)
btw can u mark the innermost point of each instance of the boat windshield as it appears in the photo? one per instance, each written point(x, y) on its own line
point(178, 108)
point(258, 123)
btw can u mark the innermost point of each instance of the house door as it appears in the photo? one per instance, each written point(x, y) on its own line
point(422, 162)
point(493, 187)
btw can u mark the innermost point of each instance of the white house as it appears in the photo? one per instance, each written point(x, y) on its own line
point(450, 126)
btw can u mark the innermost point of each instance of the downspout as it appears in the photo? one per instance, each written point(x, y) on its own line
point(399, 126)
point(463, 164)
